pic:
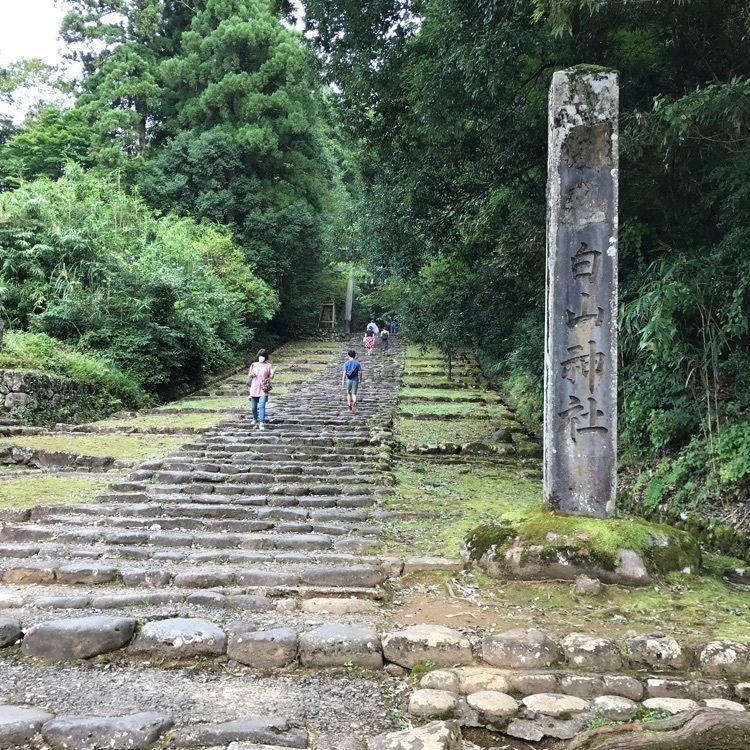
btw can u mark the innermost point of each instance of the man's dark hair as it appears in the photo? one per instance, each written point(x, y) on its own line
point(352, 353)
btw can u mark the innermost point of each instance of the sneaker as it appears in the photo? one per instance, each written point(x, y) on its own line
point(253, 423)
point(349, 406)
point(354, 409)
point(261, 426)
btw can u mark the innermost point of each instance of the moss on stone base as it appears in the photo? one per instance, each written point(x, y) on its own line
point(585, 542)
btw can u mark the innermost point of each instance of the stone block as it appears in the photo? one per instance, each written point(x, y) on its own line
point(615, 707)
point(554, 704)
point(88, 573)
point(10, 631)
point(180, 638)
point(529, 684)
point(268, 730)
point(345, 576)
point(582, 686)
point(419, 643)
point(622, 685)
point(475, 679)
point(438, 735)
point(23, 574)
point(134, 732)
point(591, 651)
point(337, 645)
point(725, 659)
point(263, 648)
point(723, 704)
point(251, 603)
point(19, 725)
point(78, 638)
point(658, 651)
point(335, 606)
point(671, 705)
point(522, 648)
point(433, 704)
point(439, 679)
point(494, 707)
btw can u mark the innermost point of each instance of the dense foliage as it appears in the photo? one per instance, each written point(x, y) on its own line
point(165, 299)
point(447, 99)
point(213, 115)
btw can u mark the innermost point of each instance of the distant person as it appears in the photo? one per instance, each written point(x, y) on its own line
point(369, 341)
point(372, 327)
point(384, 341)
point(259, 379)
point(392, 325)
point(351, 377)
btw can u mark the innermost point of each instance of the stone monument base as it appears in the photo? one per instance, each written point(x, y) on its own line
point(550, 546)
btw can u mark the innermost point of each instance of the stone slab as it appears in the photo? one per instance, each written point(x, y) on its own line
point(180, 637)
point(338, 645)
point(134, 732)
point(78, 637)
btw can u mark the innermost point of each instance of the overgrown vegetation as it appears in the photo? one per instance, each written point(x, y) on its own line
point(448, 101)
point(185, 201)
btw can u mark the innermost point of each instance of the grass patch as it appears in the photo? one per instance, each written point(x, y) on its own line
point(495, 410)
point(165, 420)
point(406, 391)
point(458, 498)
point(427, 432)
point(134, 447)
point(220, 402)
point(27, 491)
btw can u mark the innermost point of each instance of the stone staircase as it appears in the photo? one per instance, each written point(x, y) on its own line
point(244, 547)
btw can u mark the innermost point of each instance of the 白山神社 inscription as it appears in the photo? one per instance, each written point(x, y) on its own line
point(580, 411)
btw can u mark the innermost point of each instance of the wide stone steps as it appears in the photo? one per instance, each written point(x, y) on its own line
point(225, 513)
point(221, 494)
point(249, 548)
point(293, 538)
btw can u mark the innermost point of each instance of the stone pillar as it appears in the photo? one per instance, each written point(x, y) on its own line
point(580, 352)
point(349, 303)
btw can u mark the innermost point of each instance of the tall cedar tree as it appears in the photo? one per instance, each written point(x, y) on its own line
point(244, 146)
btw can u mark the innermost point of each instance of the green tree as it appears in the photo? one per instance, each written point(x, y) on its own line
point(120, 44)
point(168, 301)
point(245, 144)
point(48, 140)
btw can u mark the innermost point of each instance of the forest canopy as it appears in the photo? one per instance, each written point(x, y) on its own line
point(219, 165)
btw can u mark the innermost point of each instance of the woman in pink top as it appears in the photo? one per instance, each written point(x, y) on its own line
point(259, 379)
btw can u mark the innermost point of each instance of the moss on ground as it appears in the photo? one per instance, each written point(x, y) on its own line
point(27, 491)
point(132, 447)
point(494, 410)
point(220, 402)
point(165, 420)
point(457, 498)
point(431, 432)
point(691, 608)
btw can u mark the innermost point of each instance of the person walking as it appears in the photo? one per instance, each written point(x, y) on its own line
point(392, 325)
point(384, 341)
point(369, 341)
point(372, 327)
point(259, 379)
point(351, 377)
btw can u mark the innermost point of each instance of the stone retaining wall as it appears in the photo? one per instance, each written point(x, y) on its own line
point(36, 398)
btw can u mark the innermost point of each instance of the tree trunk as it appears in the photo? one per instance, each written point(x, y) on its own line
point(702, 729)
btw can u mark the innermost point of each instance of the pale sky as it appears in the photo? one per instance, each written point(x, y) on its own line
point(29, 28)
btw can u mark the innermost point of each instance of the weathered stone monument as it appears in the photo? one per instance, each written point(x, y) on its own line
point(580, 374)
point(349, 303)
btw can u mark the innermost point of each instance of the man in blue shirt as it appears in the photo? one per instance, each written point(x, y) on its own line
point(351, 377)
